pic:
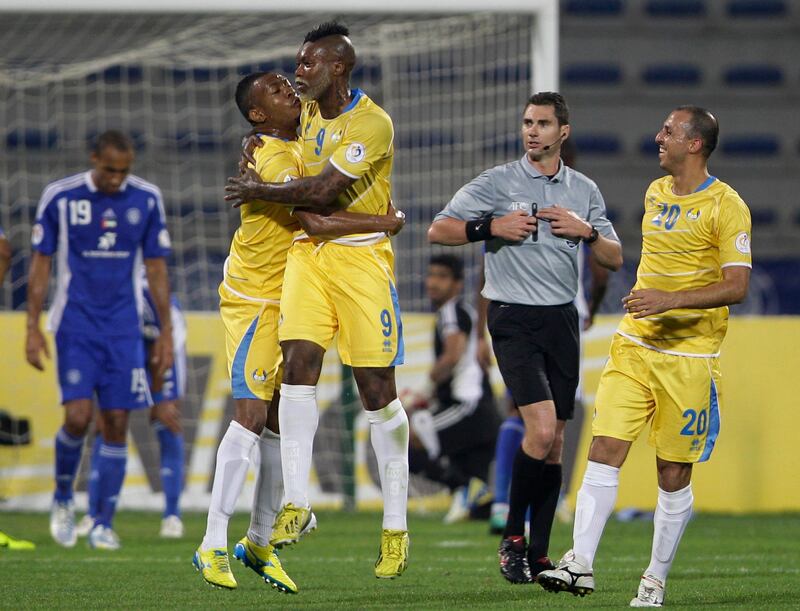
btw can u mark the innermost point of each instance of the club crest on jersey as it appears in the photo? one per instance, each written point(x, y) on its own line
point(108, 220)
point(336, 137)
point(73, 376)
point(133, 215)
point(355, 152)
point(107, 241)
point(692, 214)
point(743, 243)
point(163, 239)
point(260, 375)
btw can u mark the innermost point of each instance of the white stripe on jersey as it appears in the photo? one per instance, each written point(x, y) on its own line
point(63, 271)
point(137, 272)
point(57, 187)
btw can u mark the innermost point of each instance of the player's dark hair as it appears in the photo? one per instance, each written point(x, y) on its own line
point(244, 91)
point(323, 30)
point(114, 139)
point(451, 262)
point(702, 125)
point(556, 100)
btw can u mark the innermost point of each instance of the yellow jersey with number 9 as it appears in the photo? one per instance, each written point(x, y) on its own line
point(359, 144)
point(254, 269)
point(686, 242)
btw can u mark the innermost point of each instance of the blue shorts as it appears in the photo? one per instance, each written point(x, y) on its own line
point(111, 367)
point(173, 387)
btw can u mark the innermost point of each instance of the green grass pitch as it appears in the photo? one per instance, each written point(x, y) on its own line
point(735, 562)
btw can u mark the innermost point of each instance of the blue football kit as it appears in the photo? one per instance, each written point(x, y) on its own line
point(99, 241)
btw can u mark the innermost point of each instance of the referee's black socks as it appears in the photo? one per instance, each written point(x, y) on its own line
point(526, 476)
point(543, 509)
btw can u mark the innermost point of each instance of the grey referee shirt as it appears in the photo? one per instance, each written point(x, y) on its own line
point(532, 272)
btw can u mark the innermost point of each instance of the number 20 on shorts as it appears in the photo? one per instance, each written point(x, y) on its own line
point(697, 422)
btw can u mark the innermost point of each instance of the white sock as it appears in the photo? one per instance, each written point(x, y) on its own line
point(268, 498)
point(672, 515)
point(298, 417)
point(389, 434)
point(233, 459)
point(596, 499)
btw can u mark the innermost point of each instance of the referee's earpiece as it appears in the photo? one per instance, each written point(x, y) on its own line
point(552, 144)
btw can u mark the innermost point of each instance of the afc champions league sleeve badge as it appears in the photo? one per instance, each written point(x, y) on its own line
point(743, 243)
point(355, 152)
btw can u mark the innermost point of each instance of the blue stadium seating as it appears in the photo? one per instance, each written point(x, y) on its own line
point(752, 145)
point(593, 8)
point(371, 73)
point(598, 144)
point(595, 73)
point(613, 214)
point(750, 9)
point(763, 216)
point(672, 74)
point(41, 139)
point(676, 8)
point(754, 75)
point(123, 73)
point(506, 146)
point(424, 138)
point(198, 75)
point(138, 138)
point(198, 140)
point(285, 66)
point(648, 146)
point(507, 73)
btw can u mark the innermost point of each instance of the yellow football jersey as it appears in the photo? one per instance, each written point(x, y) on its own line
point(686, 241)
point(259, 248)
point(359, 143)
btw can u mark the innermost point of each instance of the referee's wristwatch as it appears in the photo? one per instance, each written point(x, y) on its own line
point(592, 236)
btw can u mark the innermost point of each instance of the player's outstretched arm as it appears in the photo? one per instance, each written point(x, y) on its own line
point(513, 227)
point(316, 192)
point(158, 280)
point(38, 278)
point(731, 289)
point(340, 222)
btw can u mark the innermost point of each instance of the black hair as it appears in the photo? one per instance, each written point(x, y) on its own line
point(556, 100)
point(244, 91)
point(112, 138)
point(323, 30)
point(702, 125)
point(451, 262)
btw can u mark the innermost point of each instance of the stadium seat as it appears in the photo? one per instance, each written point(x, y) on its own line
point(598, 144)
point(592, 74)
point(370, 73)
point(285, 66)
point(648, 146)
point(198, 75)
point(757, 8)
point(763, 216)
point(754, 145)
point(593, 8)
point(117, 74)
point(754, 75)
point(613, 214)
point(507, 73)
point(675, 8)
point(428, 69)
point(425, 138)
point(41, 139)
point(198, 140)
point(506, 146)
point(672, 74)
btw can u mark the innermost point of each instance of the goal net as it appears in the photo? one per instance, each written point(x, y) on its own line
point(454, 85)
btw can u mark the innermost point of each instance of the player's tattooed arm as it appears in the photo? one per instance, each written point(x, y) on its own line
point(38, 279)
point(315, 192)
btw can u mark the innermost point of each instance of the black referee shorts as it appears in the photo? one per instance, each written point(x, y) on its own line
point(538, 352)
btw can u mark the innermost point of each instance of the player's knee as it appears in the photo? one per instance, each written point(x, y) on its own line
point(673, 476)
point(302, 363)
point(252, 415)
point(77, 419)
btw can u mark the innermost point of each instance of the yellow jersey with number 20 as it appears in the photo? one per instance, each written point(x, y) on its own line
point(686, 242)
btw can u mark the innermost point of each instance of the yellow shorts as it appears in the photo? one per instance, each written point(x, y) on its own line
point(680, 394)
point(255, 362)
point(334, 288)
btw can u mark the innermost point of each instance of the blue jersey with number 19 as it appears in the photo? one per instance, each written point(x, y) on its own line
point(99, 240)
point(686, 242)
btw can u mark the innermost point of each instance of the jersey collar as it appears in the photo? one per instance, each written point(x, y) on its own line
point(93, 187)
point(560, 176)
point(357, 95)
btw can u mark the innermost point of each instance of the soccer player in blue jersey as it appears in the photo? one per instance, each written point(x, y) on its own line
point(101, 225)
point(167, 390)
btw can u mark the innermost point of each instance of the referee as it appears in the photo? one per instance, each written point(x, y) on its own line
point(532, 214)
